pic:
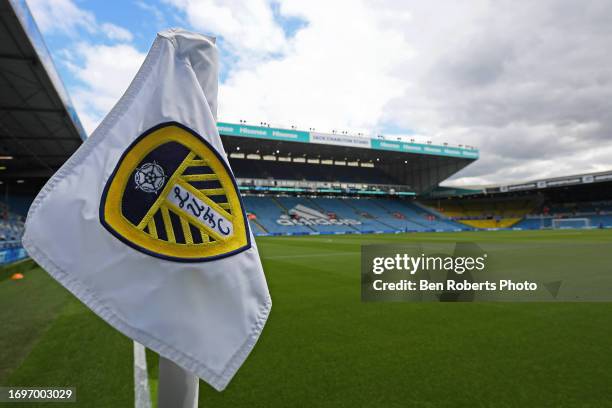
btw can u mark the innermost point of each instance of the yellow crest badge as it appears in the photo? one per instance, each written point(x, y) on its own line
point(172, 196)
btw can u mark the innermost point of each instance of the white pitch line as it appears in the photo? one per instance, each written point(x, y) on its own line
point(142, 398)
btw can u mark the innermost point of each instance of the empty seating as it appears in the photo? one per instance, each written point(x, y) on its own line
point(332, 215)
point(11, 229)
point(485, 213)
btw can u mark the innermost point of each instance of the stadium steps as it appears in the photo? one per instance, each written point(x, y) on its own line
point(279, 205)
point(431, 211)
point(444, 217)
point(411, 219)
point(387, 211)
point(318, 207)
point(285, 210)
point(258, 225)
point(372, 219)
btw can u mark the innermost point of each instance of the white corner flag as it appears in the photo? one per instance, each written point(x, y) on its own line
point(145, 223)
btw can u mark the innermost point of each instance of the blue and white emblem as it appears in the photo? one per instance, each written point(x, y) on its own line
point(150, 177)
point(173, 196)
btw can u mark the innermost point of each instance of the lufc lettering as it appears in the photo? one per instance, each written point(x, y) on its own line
point(198, 209)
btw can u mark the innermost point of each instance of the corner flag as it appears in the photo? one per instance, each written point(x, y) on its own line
point(145, 223)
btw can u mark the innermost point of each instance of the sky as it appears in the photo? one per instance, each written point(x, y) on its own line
point(528, 83)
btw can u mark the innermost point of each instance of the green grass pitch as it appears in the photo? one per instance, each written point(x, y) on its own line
point(323, 347)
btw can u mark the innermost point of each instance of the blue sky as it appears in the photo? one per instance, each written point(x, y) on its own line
point(140, 18)
point(68, 28)
point(526, 83)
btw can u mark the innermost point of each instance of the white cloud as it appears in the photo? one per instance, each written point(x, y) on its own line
point(248, 26)
point(155, 11)
point(65, 17)
point(526, 83)
point(105, 72)
point(114, 32)
point(336, 72)
point(61, 16)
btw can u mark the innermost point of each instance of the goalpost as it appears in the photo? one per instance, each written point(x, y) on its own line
point(561, 223)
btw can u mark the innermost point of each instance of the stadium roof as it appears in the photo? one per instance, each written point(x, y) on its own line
point(39, 127)
point(333, 139)
point(420, 166)
point(565, 181)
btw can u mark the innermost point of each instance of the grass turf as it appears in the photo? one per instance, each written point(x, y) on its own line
point(323, 347)
point(49, 339)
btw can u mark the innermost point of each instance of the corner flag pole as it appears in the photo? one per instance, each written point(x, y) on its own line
point(177, 387)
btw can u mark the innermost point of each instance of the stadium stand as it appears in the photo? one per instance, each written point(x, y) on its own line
point(297, 215)
point(484, 212)
point(591, 214)
point(11, 226)
point(11, 230)
point(575, 201)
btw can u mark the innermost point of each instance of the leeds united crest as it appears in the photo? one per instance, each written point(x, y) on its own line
point(172, 196)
